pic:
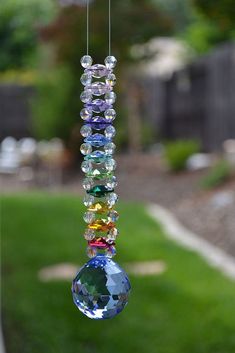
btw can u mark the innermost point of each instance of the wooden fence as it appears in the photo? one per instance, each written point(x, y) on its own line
point(15, 117)
point(197, 102)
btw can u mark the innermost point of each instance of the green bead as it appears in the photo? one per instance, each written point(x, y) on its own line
point(99, 174)
point(99, 191)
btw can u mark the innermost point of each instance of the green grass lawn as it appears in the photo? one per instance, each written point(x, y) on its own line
point(188, 309)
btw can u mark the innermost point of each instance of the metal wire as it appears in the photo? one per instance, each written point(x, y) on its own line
point(87, 27)
point(110, 27)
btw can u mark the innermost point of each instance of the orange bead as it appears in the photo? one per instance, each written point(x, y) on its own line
point(101, 225)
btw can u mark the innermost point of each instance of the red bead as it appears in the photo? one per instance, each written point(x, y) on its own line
point(100, 243)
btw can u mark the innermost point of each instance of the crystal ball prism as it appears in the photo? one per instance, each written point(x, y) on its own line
point(101, 288)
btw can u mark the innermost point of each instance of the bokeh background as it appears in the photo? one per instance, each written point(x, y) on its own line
point(175, 148)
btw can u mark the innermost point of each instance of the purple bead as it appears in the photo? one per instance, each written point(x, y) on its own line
point(98, 126)
point(98, 70)
point(98, 106)
point(99, 119)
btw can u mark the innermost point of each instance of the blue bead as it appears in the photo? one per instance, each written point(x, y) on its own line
point(97, 140)
point(101, 288)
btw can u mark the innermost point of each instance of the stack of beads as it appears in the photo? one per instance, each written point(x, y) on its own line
point(98, 165)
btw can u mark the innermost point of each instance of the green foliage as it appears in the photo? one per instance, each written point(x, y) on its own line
point(221, 12)
point(181, 11)
point(218, 174)
point(147, 134)
point(201, 35)
point(202, 24)
point(19, 20)
point(22, 77)
point(52, 116)
point(220, 16)
point(197, 22)
point(177, 153)
point(186, 309)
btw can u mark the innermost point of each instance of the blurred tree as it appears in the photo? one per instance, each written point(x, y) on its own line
point(133, 21)
point(19, 21)
point(181, 11)
point(221, 12)
point(202, 34)
point(202, 24)
point(51, 112)
point(213, 23)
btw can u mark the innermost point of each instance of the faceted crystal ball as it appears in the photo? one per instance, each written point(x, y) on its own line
point(101, 288)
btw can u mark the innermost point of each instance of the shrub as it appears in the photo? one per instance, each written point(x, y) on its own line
point(177, 153)
point(52, 113)
point(148, 135)
point(20, 77)
point(19, 23)
point(218, 174)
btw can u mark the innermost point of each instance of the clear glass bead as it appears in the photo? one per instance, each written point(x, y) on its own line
point(113, 216)
point(110, 61)
point(98, 88)
point(112, 234)
point(110, 114)
point(110, 251)
point(86, 96)
point(88, 200)
point(111, 183)
point(110, 97)
point(89, 234)
point(86, 79)
point(87, 183)
point(111, 199)
point(85, 114)
point(86, 61)
point(86, 166)
point(109, 148)
point(110, 164)
point(110, 80)
point(91, 252)
point(86, 131)
point(89, 217)
point(110, 131)
point(86, 148)
point(98, 70)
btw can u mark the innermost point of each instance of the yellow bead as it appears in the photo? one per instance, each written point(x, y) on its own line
point(101, 225)
point(99, 207)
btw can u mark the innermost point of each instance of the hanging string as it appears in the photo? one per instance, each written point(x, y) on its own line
point(87, 26)
point(109, 27)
